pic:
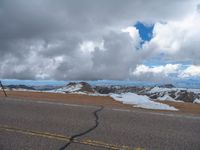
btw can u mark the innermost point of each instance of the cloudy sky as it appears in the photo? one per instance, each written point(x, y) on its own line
point(144, 40)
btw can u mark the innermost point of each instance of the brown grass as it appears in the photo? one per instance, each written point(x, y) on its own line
point(184, 107)
point(95, 100)
point(68, 98)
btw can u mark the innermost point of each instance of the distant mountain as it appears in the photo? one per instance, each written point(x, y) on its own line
point(73, 87)
point(166, 92)
point(45, 87)
point(187, 83)
point(17, 87)
point(167, 86)
point(173, 94)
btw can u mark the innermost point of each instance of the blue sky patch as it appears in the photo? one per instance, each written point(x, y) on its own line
point(145, 31)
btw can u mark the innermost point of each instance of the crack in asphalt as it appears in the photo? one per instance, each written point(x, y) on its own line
point(95, 113)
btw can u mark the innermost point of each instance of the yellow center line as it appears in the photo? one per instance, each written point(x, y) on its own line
point(61, 137)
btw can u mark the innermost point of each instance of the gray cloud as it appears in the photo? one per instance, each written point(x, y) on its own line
point(41, 39)
point(198, 8)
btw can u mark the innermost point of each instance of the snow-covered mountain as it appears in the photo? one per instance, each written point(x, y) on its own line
point(164, 92)
point(174, 94)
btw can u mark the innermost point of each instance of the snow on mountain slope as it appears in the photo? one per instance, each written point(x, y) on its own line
point(166, 97)
point(141, 101)
point(197, 101)
point(69, 89)
point(173, 94)
point(72, 87)
point(160, 89)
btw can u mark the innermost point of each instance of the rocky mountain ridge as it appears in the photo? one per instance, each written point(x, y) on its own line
point(166, 92)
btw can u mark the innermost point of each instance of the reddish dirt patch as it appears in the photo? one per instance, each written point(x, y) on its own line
point(184, 107)
point(68, 98)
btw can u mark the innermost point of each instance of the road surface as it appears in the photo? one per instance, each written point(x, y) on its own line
point(43, 125)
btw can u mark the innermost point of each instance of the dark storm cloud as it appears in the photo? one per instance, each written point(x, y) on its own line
point(42, 38)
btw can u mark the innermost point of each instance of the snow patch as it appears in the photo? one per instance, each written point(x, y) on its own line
point(197, 101)
point(166, 97)
point(158, 90)
point(69, 89)
point(141, 101)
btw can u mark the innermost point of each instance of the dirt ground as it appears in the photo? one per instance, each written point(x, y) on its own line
point(67, 98)
point(188, 108)
point(184, 107)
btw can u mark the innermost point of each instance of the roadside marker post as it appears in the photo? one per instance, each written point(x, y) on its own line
point(3, 89)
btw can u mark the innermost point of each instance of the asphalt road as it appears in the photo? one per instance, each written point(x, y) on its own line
point(37, 125)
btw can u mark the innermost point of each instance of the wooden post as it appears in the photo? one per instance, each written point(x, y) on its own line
point(3, 89)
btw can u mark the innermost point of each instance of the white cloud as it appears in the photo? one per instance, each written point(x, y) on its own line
point(165, 72)
point(191, 71)
point(134, 34)
point(162, 69)
point(89, 46)
point(177, 39)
